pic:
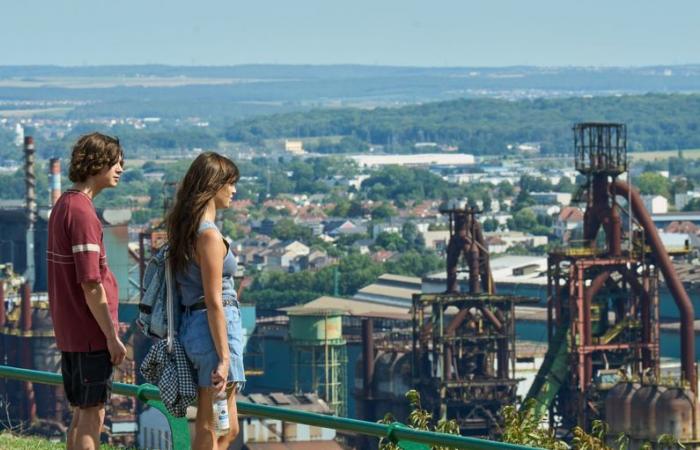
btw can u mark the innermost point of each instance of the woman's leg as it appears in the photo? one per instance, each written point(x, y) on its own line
point(225, 440)
point(204, 434)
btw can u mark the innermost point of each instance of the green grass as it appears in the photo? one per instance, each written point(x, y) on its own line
point(12, 441)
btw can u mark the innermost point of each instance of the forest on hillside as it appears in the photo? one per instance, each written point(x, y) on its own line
point(486, 126)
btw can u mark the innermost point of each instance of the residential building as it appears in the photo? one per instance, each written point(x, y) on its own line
point(655, 204)
point(570, 218)
point(551, 198)
point(683, 198)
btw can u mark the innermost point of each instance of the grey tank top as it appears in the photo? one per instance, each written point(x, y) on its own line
point(190, 280)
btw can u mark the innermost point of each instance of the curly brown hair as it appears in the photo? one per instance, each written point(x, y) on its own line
point(92, 153)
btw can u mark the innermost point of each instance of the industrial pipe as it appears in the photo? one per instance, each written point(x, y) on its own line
point(587, 337)
point(645, 312)
point(367, 358)
point(685, 306)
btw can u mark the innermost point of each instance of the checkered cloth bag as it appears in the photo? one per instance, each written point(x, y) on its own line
point(172, 372)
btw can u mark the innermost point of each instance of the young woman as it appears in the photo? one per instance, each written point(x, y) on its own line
point(210, 329)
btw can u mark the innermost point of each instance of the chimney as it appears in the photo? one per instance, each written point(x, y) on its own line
point(30, 182)
point(54, 180)
point(30, 179)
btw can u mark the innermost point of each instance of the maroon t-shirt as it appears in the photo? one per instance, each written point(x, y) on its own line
point(76, 254)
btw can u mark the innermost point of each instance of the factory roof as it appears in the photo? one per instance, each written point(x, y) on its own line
point(353, 307)
point(514, 269)
point(390, 289)
point(690, 216)
point(389, 277)
point(301, 402)
point(688, 273)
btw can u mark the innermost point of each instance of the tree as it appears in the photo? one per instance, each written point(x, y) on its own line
point(390, 241)
point(490, 224)
point(524, 220)
point(414, 239)
point(232, 229)
point(287, 230)
point(506, 189)
point(383, 211)
point(523, 200)
point(680, 186)
point(651, 183)
point(692, 205)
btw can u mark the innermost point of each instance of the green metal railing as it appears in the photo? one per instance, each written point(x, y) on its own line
point(406, 438)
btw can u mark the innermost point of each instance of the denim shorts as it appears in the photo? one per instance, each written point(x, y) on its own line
point(195, 337)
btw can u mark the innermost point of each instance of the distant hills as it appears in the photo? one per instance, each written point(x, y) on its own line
point(489, 126)
point(478, 110)
point(234, 92)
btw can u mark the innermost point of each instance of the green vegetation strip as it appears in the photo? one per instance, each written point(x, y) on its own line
point(395, 432)
point(9, 440)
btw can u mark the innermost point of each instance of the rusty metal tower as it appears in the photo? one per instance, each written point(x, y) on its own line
point(602, 305)
point(464, 342)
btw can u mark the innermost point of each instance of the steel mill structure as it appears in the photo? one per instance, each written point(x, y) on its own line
point(319, 356)
point(464, 342)
point(603, 309)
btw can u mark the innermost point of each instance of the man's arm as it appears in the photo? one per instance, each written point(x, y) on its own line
point(96, 299)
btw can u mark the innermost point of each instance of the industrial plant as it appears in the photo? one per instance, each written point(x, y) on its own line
point(452, 336)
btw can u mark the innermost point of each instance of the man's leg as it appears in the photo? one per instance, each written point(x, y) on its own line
point(89, 426)
point(95, 369)
point(72, 430)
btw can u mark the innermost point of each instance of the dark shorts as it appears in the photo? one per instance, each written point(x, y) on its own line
point(87, 377)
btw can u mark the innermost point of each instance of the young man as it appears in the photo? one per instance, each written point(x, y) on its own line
point(83, 293)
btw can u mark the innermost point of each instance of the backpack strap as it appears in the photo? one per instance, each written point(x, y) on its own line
point(169, 305)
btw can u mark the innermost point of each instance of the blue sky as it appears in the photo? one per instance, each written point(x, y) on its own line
point(385, 32)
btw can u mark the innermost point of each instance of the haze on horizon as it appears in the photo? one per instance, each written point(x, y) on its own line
point(385, 32)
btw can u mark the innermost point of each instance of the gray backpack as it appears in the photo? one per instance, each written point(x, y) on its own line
point(159, 309)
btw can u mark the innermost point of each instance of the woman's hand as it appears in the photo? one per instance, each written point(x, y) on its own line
point(219, 376)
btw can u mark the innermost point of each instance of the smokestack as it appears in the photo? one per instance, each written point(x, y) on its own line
point(54, 180)
point(30, 179)
point(30, 182)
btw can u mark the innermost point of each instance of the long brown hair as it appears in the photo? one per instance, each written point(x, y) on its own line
point(208, 173)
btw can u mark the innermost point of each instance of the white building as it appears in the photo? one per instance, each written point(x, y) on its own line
point(683, 198)
point(510, 239)
point(464, 178)
point(655, 204)
point(294, 147)
point(436, 239)
point(551, 198)
point(417, 160)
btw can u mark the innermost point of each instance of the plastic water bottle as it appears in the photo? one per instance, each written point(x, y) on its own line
point(221, 421)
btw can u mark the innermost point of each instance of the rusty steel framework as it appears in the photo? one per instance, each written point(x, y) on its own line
point(609, 305)
point(464, 342)
point(603, 294)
